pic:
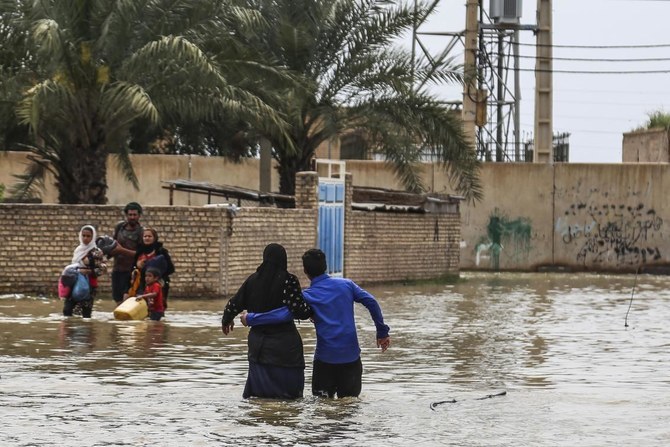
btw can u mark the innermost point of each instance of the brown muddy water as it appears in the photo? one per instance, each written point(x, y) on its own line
point(574, 375)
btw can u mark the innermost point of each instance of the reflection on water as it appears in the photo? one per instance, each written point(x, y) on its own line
point(574, 375)
point(76, 336)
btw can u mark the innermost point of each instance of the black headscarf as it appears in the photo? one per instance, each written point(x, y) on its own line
point(146, 249)
point(266, 286)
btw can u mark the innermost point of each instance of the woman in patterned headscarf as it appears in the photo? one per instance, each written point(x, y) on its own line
point(276, 359)
point(151, 252)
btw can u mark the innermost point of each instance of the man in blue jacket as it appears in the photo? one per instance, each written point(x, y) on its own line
point(337, 368)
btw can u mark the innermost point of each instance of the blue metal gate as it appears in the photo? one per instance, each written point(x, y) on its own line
point(331, 223)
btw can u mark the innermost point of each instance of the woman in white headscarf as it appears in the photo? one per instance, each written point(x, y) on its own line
point(87, 237)
point(88, 259)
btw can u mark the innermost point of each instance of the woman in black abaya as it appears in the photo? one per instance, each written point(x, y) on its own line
point(276, 359)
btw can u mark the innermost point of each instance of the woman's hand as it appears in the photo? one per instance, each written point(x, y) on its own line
point(243, 319)
point(227, 328)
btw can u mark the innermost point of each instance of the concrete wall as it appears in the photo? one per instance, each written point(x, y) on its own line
point(511, 228)
point(582, 216)
point(151, 170)
point(646, 146)
point(600, 217)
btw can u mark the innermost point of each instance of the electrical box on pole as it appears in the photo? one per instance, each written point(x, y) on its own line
point(505, 11)
point(491, 98)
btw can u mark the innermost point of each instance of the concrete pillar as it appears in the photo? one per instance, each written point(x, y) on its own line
point(470, 94)
point(543, 150)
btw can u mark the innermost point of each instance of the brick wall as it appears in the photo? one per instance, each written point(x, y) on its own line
point(382, 246)
point(253, 229)
point(38, 240)
point(214, 248)
point(401, 246)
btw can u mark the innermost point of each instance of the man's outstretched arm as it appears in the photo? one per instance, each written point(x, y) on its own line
point(365, 298)
point(274, 316)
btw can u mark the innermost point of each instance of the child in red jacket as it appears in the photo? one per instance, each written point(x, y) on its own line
point(153, 294)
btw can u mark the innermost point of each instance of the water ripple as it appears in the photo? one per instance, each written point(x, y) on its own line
point(557, 344)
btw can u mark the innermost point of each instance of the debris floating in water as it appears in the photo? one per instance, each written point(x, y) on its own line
point(453, 401)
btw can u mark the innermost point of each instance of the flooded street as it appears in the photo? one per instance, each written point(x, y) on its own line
point(555, 343)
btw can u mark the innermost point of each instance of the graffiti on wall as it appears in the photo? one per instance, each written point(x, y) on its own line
point(502, 233)
point(612, 234)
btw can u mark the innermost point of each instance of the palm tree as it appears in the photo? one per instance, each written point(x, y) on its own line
point(93, 70)
point(15, 64)
point(353, 79)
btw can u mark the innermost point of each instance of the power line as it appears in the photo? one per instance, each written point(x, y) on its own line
point(581, 117)
point(608, 132)
point(597, 71)
point(619, 92)
point(602, 103)
point(586, 59)
point(586, 47)
point(581, 131)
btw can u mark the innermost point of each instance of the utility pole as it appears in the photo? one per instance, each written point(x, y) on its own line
point(470, 96)
point(500, 156)
point(543, 150)
point(517, 97)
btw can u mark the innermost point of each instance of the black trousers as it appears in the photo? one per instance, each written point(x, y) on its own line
point(120, 285)
point(341, 379)
point(86, 307)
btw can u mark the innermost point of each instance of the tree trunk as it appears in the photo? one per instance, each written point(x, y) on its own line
point(288, 167)
point(83, 176)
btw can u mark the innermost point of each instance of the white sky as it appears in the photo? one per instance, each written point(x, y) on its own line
point(596, 109)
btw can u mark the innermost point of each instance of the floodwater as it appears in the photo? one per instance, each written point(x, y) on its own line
point(557, 344)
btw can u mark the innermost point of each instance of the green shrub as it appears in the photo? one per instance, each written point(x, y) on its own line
point(657, 120)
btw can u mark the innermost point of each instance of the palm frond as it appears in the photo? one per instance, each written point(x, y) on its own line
point(115, 20)
point(404, 128)
point(242, 17)
point(124, 163)
point(179, 51)
point(46, 34)
point(122, 103)
point(28, 110)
